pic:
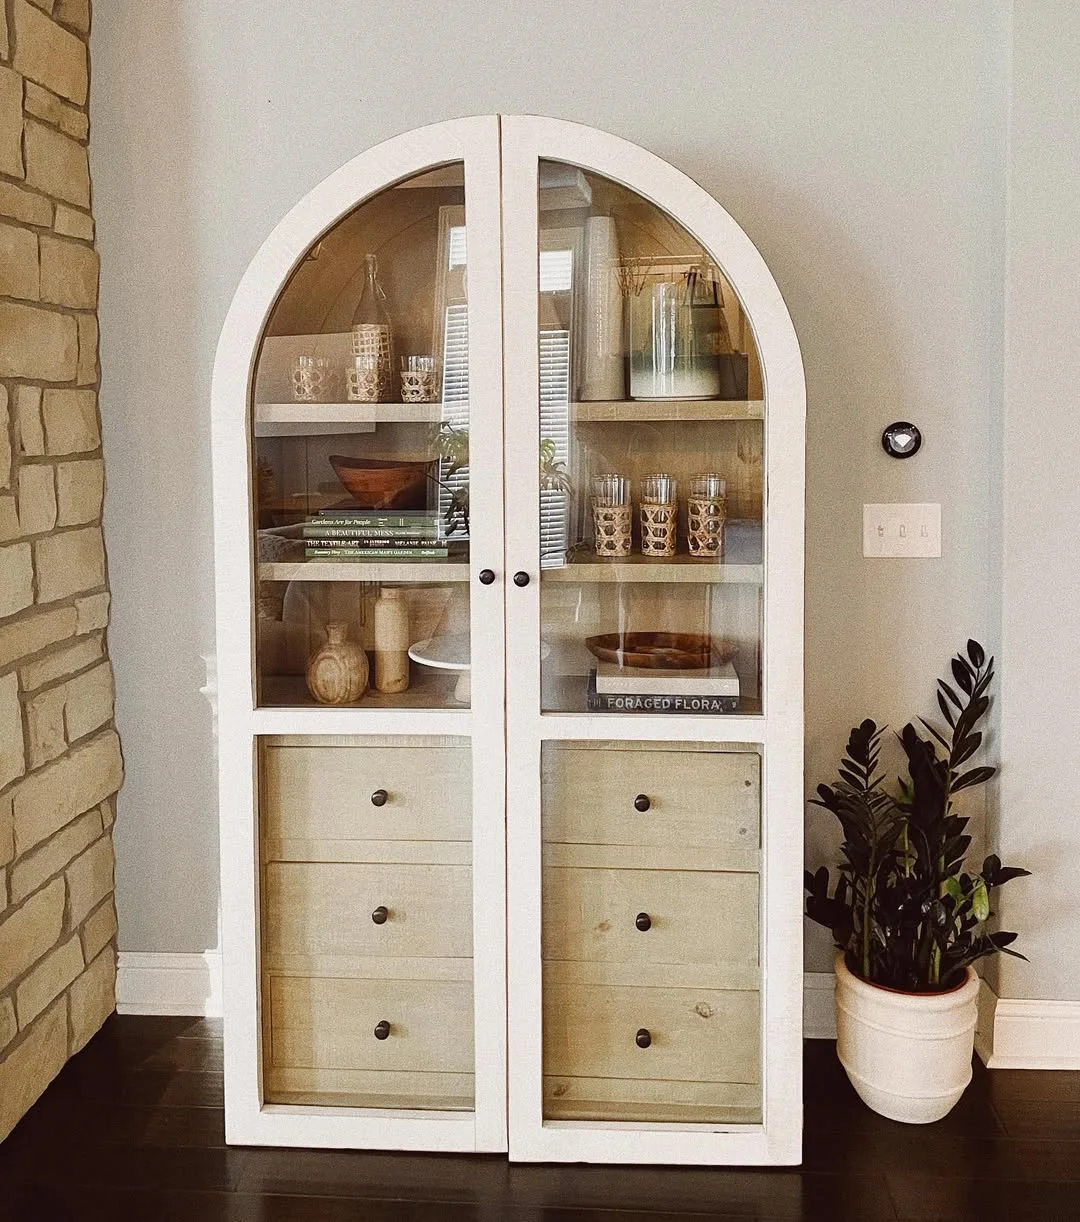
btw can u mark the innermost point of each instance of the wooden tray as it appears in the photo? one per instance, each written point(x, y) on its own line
point(661, 650)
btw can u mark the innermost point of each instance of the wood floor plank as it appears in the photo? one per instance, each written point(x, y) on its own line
point(133, 1128)
point(971, 1198)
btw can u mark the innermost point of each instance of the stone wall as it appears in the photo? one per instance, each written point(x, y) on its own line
point(60, 764)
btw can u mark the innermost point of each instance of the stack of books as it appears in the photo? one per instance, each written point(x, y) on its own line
point(629, 689)
point(374, 534)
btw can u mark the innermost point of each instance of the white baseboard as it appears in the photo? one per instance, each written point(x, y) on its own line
point(1023, 1033)
point(169, 983)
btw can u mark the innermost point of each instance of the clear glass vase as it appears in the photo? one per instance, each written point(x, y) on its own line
point(675, 330)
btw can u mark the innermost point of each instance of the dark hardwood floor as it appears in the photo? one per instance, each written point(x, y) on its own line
point(133, 1129)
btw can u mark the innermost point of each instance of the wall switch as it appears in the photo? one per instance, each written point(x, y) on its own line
point(901, 530)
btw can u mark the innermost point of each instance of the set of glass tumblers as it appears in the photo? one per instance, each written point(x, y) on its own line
point(613, 511)
point(316, 379)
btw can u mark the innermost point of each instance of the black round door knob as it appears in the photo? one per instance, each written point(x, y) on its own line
point(642, 803)
point(643, 1038)
point(382, 1030)
point(521, 578)
point(379, 915)
point(487, 576)
point(643, 921)
point(378, 798)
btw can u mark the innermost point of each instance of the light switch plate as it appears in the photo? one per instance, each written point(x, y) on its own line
point(901, 530)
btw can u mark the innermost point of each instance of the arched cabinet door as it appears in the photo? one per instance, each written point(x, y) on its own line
point(654, 408)
point(508, 481)
point(358, 520)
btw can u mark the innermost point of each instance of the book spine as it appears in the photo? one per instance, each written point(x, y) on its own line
point(370, 532)
point(365, 540)
point(377, 553)
point(384, 520)
point(661, 704)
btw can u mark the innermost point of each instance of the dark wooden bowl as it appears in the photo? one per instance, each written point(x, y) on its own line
point(376, 483)
point(661, 650)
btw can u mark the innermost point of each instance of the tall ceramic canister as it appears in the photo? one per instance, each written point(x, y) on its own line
point(603, 374)
point(391, 640)
point(338, 672)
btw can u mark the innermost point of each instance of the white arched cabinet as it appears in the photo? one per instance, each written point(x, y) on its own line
point(508, 414)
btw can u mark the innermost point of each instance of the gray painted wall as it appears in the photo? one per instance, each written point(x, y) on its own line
point(1039, 812)
point(861, 146)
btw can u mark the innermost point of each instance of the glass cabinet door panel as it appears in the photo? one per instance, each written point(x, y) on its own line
point(366, 935)
point(651, 932)
point(361, 450)
point(650, 453)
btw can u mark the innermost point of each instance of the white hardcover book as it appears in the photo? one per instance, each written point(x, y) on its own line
point(612, 680)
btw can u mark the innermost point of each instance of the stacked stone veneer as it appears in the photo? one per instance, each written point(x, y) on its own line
point(60, 763)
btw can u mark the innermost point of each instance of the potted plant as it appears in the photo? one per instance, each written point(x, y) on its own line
point(452, 447)
point(907, 918)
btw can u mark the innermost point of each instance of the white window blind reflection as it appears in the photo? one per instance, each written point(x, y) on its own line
point(455, 407)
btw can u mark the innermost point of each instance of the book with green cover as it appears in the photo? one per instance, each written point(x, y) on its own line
point(364, 531)
point(373, 517)
point(377, 553)
point(373, 543)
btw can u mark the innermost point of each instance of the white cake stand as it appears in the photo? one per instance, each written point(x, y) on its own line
point(447, 653)
point(452, 653)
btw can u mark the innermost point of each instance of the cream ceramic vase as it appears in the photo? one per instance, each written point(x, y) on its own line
point(338, 672)
point(908, 1055)
point(391, 640)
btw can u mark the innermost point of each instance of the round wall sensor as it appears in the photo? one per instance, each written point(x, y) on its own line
point(901, 439)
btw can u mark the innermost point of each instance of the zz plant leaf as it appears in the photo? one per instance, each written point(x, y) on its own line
point(904, 910)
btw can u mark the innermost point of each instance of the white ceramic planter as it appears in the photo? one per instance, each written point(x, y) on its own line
point(907, 1054)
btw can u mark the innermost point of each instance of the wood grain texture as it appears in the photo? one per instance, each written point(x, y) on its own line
point(118, 1136)
point(324, 793)
point(698, 1035)
point(329, 1024)
point(697, 918)
point(645, 1101)
point(706, 798)
point(325, 908)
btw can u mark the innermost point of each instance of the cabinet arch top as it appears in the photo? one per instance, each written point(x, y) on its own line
point(517, 143)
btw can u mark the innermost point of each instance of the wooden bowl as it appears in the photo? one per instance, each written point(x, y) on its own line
point(376, 483)
point(661, 650)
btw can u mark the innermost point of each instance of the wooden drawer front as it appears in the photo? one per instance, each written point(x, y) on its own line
point(325, 909)
point(698, 1035)
point(330, 1024)
point(693, 917)
point(320, 794)
point(631, 1099)
point(707, 798)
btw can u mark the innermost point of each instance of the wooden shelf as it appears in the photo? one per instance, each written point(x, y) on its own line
point(678, 569)
point(668, 410)
point(427, 690)
point(316, 419)
point(404, 571)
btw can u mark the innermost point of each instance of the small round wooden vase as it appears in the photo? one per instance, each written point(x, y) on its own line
point(338, 672)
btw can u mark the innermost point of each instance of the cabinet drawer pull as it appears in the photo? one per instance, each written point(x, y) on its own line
point(487, 576)
point(643, 921)
point(643, 1038)
point(642, 803)
point(378, 798)
point(382, 1030)
point(379, 915)
point(521, 578)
